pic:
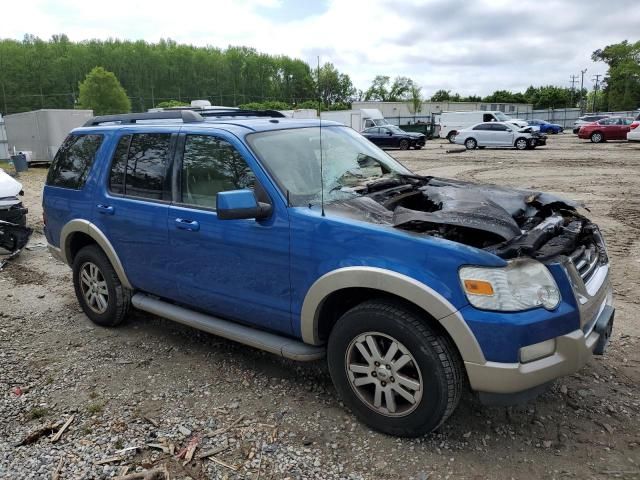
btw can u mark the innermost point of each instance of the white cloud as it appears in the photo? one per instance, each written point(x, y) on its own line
point(462, 46)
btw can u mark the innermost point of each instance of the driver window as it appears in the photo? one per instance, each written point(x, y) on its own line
point(211, 165)
point(487, 117)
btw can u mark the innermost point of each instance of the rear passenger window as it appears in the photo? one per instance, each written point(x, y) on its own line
point(73, 161)
point(211, 165)
point(139, 165)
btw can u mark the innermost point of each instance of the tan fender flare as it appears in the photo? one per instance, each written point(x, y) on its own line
point(397, 284)
point(100, 238)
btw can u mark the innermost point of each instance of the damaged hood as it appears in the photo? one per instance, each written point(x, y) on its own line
point(9, 189)
point(501, 219)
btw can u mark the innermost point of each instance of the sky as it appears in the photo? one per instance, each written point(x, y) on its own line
point(469, 47)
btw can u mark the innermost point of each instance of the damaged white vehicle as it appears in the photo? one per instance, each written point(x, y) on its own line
point(14, 233)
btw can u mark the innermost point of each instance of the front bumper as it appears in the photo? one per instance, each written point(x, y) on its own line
point(573, 349)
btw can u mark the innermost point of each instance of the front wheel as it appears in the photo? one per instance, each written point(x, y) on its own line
point(522, 144)
point(596, 137)
point(470, 143)
point(404, 144)
point(396, 373)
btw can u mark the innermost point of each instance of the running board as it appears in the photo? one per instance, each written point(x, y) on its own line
point(270, 342)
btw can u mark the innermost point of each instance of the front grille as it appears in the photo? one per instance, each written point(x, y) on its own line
point(586, 260)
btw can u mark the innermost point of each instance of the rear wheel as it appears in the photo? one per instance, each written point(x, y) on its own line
point(396, 373)
point(452, 136)
point(470, 143)
point(404, 144)
point(521, 143)
point(597, 137)
point(98, 289)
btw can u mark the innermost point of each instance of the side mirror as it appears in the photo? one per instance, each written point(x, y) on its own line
point(240, 204)
point(389, 133)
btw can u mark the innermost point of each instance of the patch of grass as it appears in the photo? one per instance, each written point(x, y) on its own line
point(93, 394)
point(87, 430)
point(38, 412)
point(119, 445)
point(95, 407)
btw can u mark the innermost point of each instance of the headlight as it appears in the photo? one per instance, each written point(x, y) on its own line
point(521, 285)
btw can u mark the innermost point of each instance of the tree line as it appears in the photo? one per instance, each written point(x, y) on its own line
point(35, 73)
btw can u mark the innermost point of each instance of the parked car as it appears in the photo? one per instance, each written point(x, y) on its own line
point(495, 134)
point(634, 132)
point(546, 127)
point(452, 122)
point(585, 119)
point(412, 286)
point(612, 128)
point(14, 233)
point(392, 136)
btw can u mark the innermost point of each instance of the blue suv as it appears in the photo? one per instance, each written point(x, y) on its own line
point(305, 239)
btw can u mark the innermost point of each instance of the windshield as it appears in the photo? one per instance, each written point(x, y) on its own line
point(501, 116)
point(350, 161)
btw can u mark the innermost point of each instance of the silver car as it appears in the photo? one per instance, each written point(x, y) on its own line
point(495, 134)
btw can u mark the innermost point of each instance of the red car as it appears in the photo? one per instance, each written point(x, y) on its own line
point(612, 128)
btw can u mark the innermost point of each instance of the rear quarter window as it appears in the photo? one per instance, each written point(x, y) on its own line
point(73, 162)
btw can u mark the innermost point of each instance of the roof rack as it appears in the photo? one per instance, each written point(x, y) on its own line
point(187, 116)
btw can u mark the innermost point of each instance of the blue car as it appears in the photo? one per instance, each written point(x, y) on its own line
point(546, 127)
point(308, 241)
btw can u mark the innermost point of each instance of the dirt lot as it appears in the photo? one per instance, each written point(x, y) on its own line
point(155, 382)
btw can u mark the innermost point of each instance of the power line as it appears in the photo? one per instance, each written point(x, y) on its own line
point(595, 89)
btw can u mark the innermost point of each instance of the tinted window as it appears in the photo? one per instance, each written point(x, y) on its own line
point(499, 127)
point(146, 165)
point(119, 165)
point(73, 161)
point(482, 126)
point(211, 165)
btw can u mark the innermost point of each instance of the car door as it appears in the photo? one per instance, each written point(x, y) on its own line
point(386, 138)
point(373, 134)
point(237, 269)
point(501, 135)
point(132, 205)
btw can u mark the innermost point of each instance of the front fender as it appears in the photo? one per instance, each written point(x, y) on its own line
point(394, 283)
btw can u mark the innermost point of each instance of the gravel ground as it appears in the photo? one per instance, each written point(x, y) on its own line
point(136, 396)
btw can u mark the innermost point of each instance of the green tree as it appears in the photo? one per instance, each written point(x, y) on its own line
point(333, 87)
point(383, 90)
point(415, 99)
point(171, 103)
point(621, 85)
point(101, 91)
point(441, 96)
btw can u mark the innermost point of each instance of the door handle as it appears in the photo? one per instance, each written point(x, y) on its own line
point(183, 224)
point(105, 209)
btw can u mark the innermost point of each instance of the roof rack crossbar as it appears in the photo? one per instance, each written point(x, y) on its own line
point(187, 116)
point(214, 112)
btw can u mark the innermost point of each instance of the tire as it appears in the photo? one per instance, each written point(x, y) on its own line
point(432, 373)
point(404, 144)
point(451, 136)
point(470, 143)
point(92, 270)
point(597, 137)
point(482, 148)
point(521, 143)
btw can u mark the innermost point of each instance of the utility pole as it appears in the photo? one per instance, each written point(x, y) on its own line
point(574, 79)
point(595, 90)
point(582, 72)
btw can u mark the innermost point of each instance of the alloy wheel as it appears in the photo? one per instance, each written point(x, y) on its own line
point(384, 374)
point(94, 287)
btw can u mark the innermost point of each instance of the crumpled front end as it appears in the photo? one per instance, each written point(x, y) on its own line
point(14, 234)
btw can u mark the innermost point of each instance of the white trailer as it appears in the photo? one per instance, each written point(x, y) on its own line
point(4, 146)
point(452, 122)
point(42, 131)
point(356, 119)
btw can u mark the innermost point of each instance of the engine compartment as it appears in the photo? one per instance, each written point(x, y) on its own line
point(505, 221)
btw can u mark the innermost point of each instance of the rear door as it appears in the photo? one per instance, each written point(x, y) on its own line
point(482, 134)
point(237, 269)
point(132, 206)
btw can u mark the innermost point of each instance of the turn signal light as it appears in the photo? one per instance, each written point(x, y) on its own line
point(478, 287)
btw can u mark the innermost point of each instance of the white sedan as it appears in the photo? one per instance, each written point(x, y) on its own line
point(495, 134)
point(634, 135)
